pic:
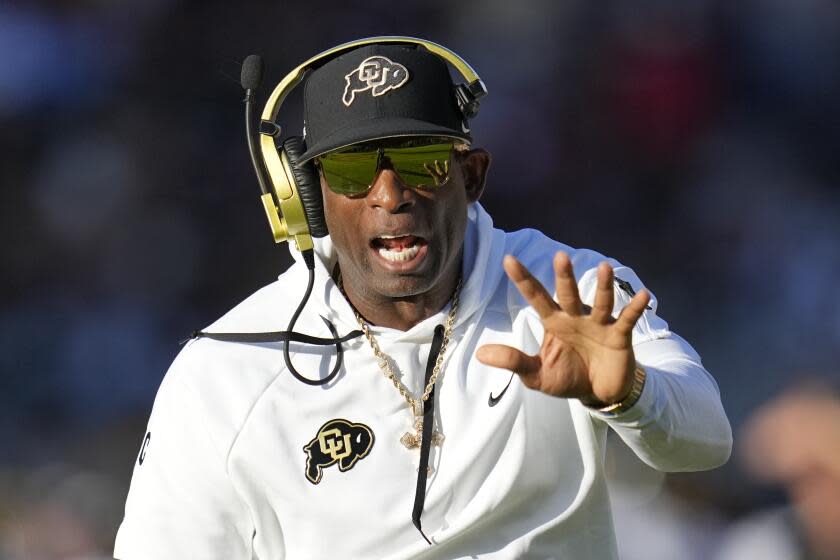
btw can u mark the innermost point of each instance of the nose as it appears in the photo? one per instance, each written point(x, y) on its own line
point(390, 193)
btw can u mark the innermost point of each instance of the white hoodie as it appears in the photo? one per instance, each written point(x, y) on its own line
point(222, 472)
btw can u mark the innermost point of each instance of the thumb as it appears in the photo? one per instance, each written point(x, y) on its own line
point(511, 359)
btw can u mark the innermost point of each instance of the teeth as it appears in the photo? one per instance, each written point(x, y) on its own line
point(385, 236)
point(399, 256)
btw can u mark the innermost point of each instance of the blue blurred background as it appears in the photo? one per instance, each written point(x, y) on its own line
point(694, 141)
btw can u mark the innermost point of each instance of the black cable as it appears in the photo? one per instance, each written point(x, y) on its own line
point(252, 69)
point(290, 336)
point(275, 336)
point(426, 441)
point(309, 259)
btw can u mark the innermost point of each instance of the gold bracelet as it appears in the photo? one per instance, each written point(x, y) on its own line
point(639, 377)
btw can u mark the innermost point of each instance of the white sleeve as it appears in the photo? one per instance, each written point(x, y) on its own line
point(678, 423)
point(181, 503)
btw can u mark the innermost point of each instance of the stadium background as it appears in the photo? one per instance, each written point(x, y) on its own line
point(695, 141)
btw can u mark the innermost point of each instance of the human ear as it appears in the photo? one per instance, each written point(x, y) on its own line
point(474, 166)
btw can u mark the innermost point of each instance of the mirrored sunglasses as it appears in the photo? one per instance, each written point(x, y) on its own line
point(351, 171)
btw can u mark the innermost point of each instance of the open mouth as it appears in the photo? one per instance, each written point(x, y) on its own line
point(398, 248)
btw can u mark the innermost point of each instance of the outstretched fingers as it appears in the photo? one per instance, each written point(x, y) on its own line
point(530, 288)
point(632, 311)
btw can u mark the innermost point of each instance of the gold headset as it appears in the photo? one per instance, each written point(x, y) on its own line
point(295, 208)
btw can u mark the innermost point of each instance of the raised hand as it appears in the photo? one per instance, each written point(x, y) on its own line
point(586, 353)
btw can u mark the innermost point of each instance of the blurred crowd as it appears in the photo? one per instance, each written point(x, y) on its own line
point(695, 141)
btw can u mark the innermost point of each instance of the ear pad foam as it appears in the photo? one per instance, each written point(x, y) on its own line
point(308, 185)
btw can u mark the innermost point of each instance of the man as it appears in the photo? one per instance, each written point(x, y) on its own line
point(424, 445)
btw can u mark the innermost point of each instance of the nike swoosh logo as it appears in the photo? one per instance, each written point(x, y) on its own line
point(493, 401)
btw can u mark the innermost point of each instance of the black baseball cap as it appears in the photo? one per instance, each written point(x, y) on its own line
point(379, 91)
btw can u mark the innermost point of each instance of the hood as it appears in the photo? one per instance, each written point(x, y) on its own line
point(482, 270)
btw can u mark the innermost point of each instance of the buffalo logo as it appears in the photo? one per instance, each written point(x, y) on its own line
point(338, 441)
point(375, 73)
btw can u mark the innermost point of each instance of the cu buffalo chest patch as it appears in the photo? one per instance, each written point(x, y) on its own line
point(338, 441)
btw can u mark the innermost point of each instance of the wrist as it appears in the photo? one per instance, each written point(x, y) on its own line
point(639, 378)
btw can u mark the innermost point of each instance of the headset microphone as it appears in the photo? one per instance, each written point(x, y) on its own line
point(250, 79)
point(252, 71)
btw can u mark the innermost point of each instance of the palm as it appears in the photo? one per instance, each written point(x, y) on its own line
point(586, 353)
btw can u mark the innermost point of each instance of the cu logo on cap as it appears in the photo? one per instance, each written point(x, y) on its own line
point(375, 73)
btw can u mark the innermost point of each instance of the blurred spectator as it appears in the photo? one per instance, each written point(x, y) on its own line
point(793, 441)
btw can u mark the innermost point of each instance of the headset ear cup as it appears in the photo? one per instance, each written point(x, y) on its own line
point(308, 186)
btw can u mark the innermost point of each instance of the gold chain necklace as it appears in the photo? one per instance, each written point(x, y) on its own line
point(411, 441)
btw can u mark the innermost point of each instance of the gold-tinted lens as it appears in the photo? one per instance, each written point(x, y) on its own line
point(350, 172)
point(421, 166)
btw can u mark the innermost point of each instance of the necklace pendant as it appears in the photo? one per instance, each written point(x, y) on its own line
point(412, 441)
